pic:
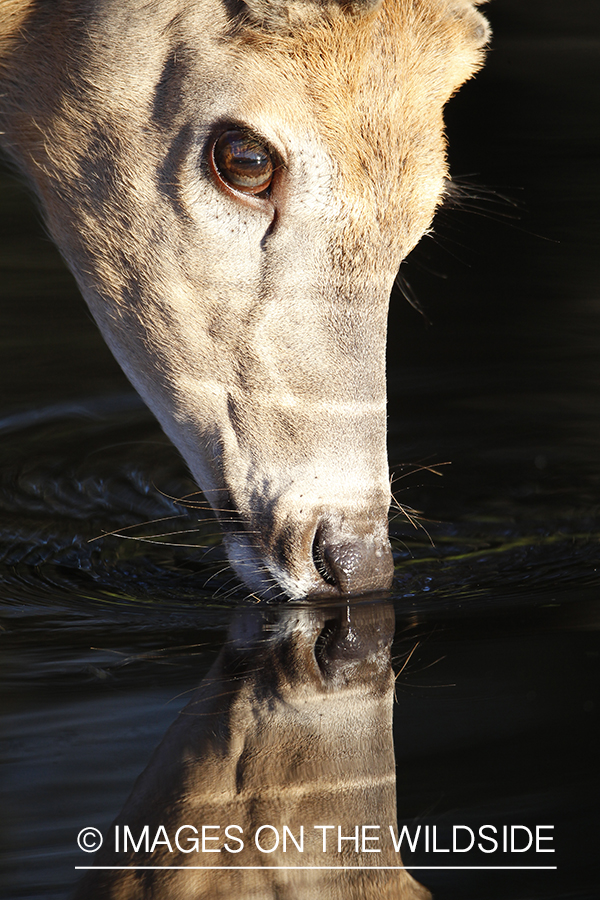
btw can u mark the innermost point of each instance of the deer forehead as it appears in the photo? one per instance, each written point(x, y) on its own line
point(361, 99)
point(395, 67)
point(365, 82)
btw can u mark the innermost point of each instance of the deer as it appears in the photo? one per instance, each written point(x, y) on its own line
point(234, 185)
point(278, 779)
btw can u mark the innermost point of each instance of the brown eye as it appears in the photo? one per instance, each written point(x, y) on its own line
point(243, 162)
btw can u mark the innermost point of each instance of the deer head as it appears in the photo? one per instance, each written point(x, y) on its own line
point(234, 186)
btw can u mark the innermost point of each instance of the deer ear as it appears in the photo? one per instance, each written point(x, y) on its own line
point(278, 14)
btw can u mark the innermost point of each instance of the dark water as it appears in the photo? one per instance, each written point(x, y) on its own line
point(497, 591)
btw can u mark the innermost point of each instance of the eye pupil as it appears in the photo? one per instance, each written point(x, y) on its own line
point(242, 161)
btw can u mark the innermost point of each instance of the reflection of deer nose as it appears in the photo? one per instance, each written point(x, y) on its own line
point(353, 636)
point(352, 564)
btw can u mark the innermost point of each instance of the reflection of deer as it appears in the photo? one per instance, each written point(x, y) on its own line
point(234, 185)
point(291, 727)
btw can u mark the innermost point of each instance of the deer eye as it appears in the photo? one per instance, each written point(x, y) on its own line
point(243, 162)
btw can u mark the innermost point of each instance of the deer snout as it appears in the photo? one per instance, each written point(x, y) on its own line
point(351, 563)
point(312, 555)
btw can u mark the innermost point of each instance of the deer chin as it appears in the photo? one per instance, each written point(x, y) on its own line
point(268, 580)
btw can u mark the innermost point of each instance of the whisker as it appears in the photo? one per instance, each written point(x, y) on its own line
point(414, 468)
point(217, 574)
point(143, 540)
point(407, 660)
point(408, 294)
point(135, 525)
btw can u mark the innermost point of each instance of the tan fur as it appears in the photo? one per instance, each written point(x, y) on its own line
point(255, 331)
point(337, 59)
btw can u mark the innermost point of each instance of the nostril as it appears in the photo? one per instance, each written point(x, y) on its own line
point(320, 561)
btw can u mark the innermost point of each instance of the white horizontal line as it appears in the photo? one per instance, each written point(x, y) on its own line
point(362, 868)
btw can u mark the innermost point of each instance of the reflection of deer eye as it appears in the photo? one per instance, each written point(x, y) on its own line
point(241, 161)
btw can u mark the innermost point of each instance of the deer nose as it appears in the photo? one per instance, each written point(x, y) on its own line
point(352, 564)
